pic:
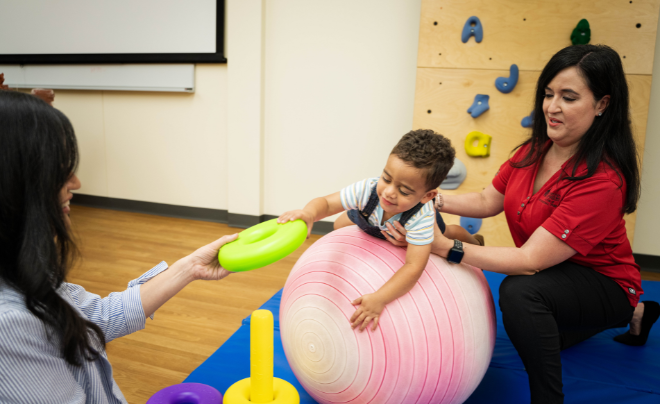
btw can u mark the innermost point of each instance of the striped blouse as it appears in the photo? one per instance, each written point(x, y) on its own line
point(32, 369)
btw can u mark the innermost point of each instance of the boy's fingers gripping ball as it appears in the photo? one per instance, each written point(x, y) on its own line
point(262, 245)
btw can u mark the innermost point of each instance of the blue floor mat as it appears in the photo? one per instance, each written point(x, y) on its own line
point(597, 370)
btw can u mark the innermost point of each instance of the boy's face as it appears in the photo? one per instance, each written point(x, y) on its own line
point(401, 187)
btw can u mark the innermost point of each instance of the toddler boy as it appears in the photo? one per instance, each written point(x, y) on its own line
point(404, 192)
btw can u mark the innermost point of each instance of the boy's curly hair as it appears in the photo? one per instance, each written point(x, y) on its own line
point(425, 149)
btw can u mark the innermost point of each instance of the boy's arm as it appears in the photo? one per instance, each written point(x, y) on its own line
point(315, 210)
point(371, 305)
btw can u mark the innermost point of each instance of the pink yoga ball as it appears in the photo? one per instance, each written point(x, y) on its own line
point(432, 345)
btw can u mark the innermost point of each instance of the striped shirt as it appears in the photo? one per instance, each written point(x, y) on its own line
point(32, 369)
point(419, 227)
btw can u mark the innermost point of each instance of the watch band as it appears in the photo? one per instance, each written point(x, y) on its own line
point(455, 255)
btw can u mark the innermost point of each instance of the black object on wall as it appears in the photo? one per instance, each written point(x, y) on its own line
point(217, 57)
point(647, 262)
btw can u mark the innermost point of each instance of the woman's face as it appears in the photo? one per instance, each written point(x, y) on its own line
point(71, 184)
point(570, 108)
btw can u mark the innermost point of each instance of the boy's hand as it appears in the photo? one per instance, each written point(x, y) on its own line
point(295, 215)
point(370, 308)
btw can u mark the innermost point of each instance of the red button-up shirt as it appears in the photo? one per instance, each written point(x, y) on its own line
point(585, 214)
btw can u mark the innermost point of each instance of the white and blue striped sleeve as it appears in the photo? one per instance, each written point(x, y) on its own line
point(420, 226)
point(31, 367)
point(356, 196)
point(120, 313)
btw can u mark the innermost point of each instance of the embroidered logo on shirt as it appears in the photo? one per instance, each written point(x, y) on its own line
point(550, 198)
point(632, 291)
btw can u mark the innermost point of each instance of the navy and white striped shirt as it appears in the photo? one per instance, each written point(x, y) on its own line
point(32, 369)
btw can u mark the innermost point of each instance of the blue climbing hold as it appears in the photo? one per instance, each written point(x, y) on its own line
point(527, 121)
point(507, 84)
point(471, 224)
point(474, 28)
point(479, 106)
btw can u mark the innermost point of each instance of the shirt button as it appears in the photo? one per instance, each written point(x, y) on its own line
point(518, 212)
point(566, 231)
point(528, 197)
point(563, 236)
point(523, 205)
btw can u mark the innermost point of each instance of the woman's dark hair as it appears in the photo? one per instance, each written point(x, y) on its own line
point(38, 154)
point(609, 138)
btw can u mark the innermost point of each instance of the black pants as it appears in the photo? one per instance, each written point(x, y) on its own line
point(553, 310)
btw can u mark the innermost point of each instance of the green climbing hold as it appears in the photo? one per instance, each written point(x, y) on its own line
point(582, 33)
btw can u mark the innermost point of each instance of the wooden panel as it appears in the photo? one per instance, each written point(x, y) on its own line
point(640, 95)
point(528, 33)
point(448, 93)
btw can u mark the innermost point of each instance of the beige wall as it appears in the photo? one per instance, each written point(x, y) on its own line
point(339, 92)
point(167, 148)
point(314, 96)
point(646, 239)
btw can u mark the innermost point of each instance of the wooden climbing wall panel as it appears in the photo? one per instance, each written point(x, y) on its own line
point(450, 73)
point(528, 33)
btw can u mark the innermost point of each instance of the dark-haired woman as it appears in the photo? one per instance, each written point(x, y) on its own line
point(53, 333)
point(564, 193)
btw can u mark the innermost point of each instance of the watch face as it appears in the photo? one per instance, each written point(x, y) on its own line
point(454, 256)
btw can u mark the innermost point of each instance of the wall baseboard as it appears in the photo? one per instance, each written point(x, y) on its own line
point(184, 212)
point(648, 262)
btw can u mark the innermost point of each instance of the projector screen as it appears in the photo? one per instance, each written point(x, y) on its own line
point(111, 31)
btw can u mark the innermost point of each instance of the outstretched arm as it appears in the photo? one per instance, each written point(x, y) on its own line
point(372, 304)
point(315, 210)
point(541, 251)
point(486, 203)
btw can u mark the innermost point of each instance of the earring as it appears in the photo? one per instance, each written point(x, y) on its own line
point(600, 114)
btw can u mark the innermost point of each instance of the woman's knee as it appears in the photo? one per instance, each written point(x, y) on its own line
point(516, 291)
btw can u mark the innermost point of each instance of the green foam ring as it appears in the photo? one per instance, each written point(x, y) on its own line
point(581, 35)
point(262, 245)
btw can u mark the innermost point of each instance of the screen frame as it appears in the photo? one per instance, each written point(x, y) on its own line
point(98, 58)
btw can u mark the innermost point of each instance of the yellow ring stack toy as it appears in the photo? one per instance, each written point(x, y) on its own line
point(261, 387)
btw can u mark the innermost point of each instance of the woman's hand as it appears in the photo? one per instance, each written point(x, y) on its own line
point(295, 215)
point(370, 307)
point(398, 234)
point(204, 264)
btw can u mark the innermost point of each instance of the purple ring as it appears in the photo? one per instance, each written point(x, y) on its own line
point(187, 393)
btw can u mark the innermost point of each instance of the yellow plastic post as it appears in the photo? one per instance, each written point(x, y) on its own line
point(261, 387)
point(261, 357)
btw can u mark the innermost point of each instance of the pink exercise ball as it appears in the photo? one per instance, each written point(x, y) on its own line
point(432, 345)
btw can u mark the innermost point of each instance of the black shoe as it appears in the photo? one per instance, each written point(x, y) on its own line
point(651, 314)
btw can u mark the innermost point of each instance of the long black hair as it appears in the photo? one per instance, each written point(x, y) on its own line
point(610, 137)
point(38, 154)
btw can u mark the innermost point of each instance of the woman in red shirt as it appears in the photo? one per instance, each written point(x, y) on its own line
point(564, 194)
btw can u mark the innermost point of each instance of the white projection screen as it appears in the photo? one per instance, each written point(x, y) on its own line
point(111, 31)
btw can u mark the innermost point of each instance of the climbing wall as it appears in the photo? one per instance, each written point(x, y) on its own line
point(526, 33)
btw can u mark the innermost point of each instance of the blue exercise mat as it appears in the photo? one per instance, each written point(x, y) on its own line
point(597, 370)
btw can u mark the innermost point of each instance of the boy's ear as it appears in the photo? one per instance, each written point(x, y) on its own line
point(429, 195)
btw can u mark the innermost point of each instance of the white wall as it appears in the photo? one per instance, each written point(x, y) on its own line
point(313, 98)
point(167, 148)
point(339, 93)
point(646, 239)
